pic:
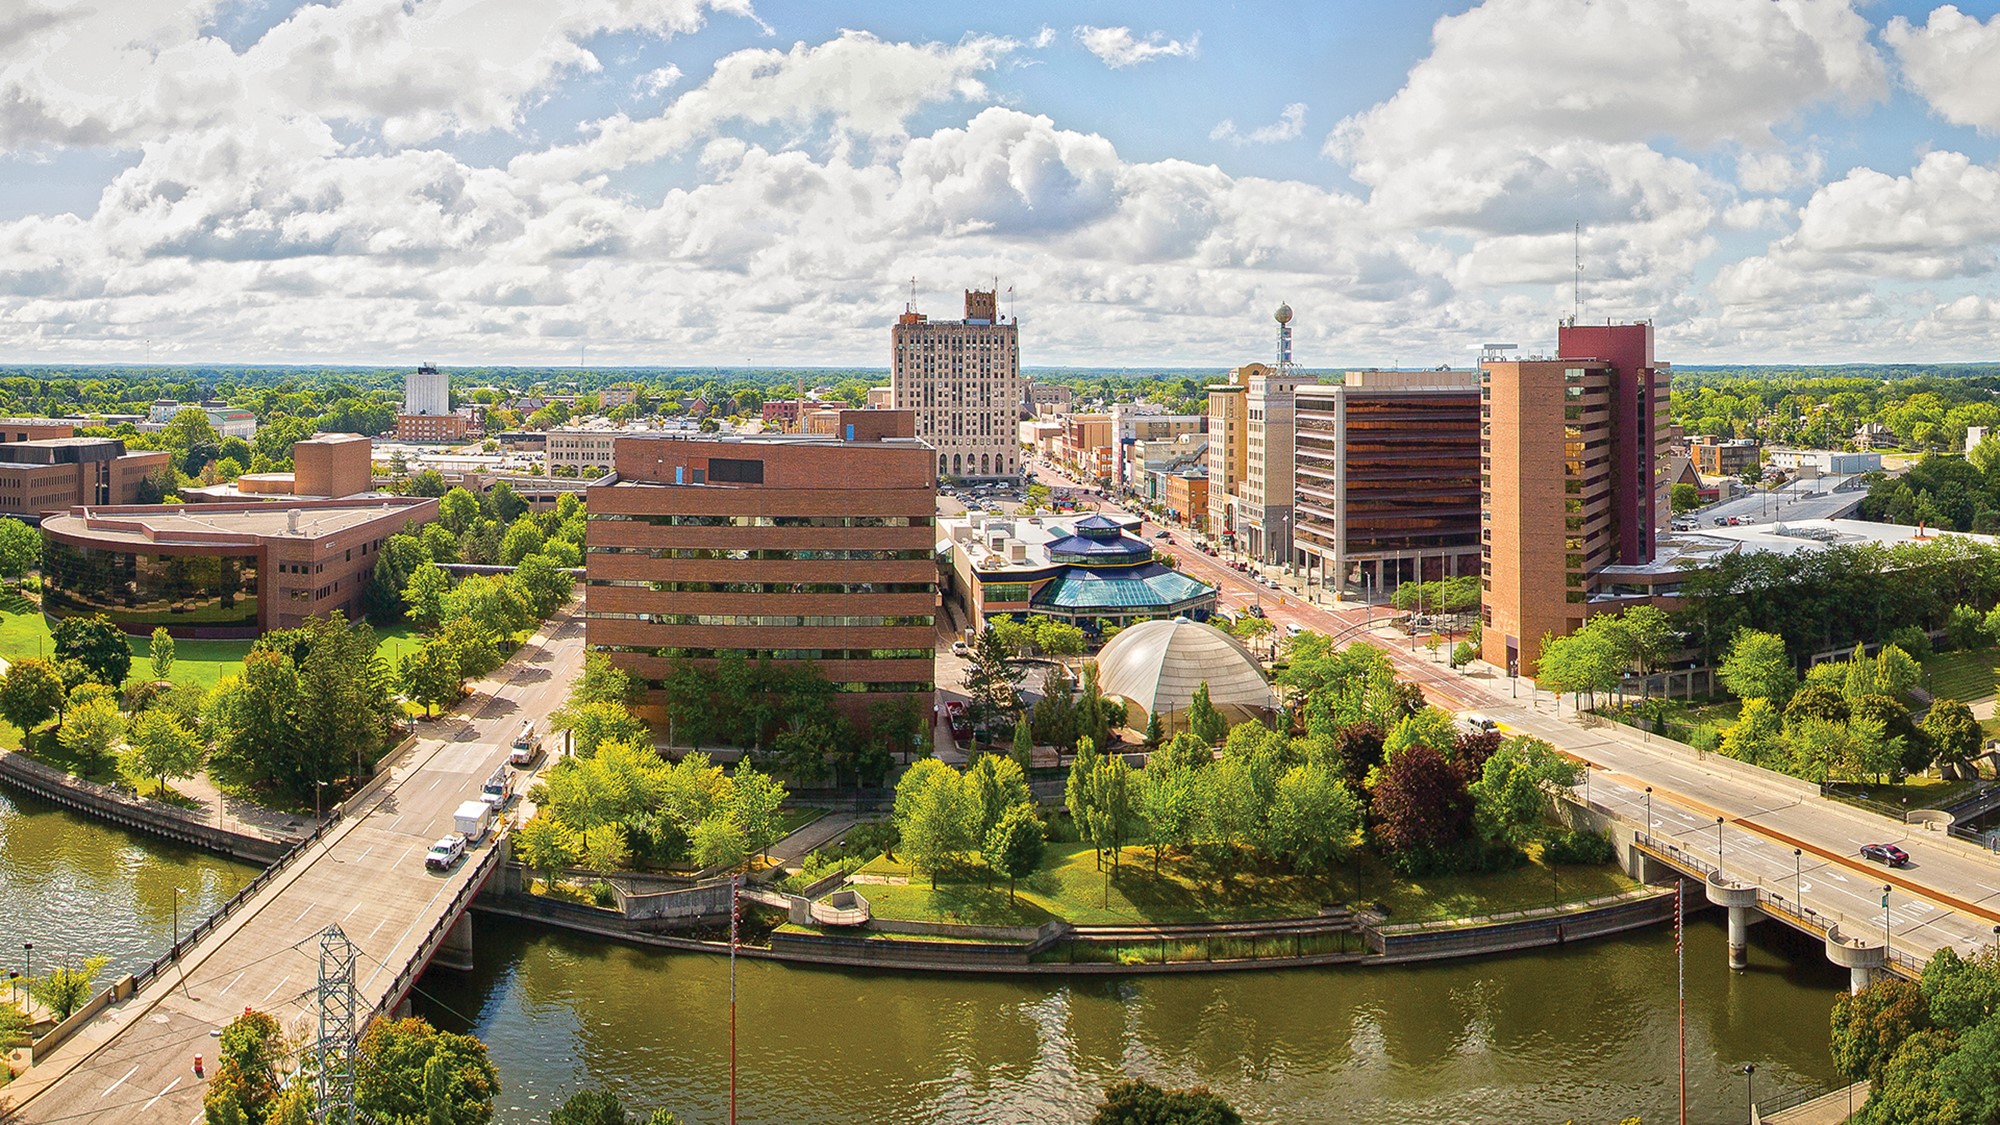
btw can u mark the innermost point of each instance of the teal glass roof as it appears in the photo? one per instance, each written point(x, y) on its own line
point(1149, 587)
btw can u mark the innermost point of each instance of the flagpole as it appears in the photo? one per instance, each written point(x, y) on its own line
point(735, 887)
point(1680, 957)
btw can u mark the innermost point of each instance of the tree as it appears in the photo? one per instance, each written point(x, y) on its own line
point(430, 675)
point(1757, 667)
point(1510, 799)
point(936, 815)
point(1757, 736)
point(1423, 810)
point(248, 1054)
point(20, 548)
point(424, 595)
point(542, 583)
point(95, 643)
point(522, 538)
point(1134, 1102)
point(1169, 804)
point(1960, 994)
point(545, 845)
point(601, 1107)
point(1023, 751)
point(161, 747)
point(987, 679)
point(719, 842)
point(1206, 722)
point(1058, 638)
point(1683, 497)
point(604, 682)
point(31, 693)
point(1315, 819)
point(753, 802)
point(457, 510)
point(1953, 733)
point(66, 987)
point(161, 651)
point(92, 731)
point(437, 1092)
point(1113, 812)
point(1869, 1025)
point(999, 784)
point(1014, 845)
point(591, 725)
point(390, 1066)
point(1592, 659)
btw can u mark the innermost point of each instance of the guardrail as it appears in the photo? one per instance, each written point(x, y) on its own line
point(421, 958)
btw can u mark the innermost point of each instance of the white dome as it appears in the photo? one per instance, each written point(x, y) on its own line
point(1156, 666)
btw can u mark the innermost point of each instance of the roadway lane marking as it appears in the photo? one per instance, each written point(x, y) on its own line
point(231, 984)
point(276, 987)
point(162, 1093)
point(121, 1081)
point(306, 911)
point(350, 912)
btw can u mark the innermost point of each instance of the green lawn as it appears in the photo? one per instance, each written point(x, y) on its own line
point(1965, 676)
point(1914, 792)
point(1071, 887)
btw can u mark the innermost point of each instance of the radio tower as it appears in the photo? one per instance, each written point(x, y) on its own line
point(333, 1051)
point(1284, 318)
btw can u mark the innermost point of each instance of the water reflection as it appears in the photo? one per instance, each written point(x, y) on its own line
point(1588, 1031)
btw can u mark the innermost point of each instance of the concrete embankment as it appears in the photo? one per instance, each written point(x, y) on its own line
point(102, 802)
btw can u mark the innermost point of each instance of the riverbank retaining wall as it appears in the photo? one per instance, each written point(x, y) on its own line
point(102, 802)
point(1477, 937)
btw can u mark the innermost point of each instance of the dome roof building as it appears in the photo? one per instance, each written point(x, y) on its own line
point(1156, 666)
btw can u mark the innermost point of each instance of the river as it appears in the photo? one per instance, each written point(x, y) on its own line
point(1584, 1032)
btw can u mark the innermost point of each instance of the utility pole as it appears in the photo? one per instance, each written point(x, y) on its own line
point(333, 1051)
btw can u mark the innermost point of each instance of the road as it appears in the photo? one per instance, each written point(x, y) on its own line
point(1947, 896)
point(135, 1061)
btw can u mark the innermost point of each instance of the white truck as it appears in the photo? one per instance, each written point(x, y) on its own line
point(499, 789)
point(527, 747)
point(472, 820)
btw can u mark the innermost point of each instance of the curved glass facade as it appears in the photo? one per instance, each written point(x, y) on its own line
point(137, 588)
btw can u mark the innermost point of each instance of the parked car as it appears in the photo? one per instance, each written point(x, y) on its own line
point(960, 648)
point(956, 718)
point(1254, 610)
point(1164, 534)
point(1886, 853)
point(445, 853)
point(1720, 522)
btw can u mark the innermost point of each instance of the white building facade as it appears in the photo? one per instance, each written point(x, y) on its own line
point(963, 381)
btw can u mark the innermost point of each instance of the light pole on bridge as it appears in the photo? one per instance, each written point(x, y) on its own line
point(1718, 846)
point(1798, 879)
point(1750, 1092)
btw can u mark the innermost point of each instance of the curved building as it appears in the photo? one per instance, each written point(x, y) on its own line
point(1156, 666)
point(1091, 573)
point(218, 570)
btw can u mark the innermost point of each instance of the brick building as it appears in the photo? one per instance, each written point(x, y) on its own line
point(789, 547)
point(49, 474)
point(432, 427)
point(963, 381)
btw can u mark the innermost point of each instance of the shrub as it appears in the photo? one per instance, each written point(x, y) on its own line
point(1708, 740)
point(1573, 847)
point(1912, 640)
point(602, 895)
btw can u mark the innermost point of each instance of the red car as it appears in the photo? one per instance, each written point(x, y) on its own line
point(955, 718)
point(1885, 853)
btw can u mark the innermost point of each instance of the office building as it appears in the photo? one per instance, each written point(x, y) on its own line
point(1228, 447)
point(792, 548)
point(34, 429)
point(1724, 458)
point(617, 395)
point(962, 380)
point(1387, 467)
point(1264, 496)
point(50, 474)
point(324, 466)
point(219, 570)
point(1573, 449)
point(426, 391)
point(432, 429)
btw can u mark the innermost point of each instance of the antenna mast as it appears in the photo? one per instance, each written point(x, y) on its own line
point(1576, 244)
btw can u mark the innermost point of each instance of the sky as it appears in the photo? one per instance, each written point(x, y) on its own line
point(753, 182)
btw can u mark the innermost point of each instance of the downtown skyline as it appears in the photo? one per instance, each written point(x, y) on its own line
point(672, 182)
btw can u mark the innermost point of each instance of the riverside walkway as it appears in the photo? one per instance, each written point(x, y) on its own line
point(134, 1061)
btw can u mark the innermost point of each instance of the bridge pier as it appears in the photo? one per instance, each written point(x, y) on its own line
point(455, 951)
point(1741, 901)
point(1862, 958)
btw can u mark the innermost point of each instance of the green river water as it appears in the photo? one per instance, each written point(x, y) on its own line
point(1586, 1032)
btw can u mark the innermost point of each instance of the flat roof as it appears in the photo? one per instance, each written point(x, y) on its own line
point(1683, 550)
point(221, 524)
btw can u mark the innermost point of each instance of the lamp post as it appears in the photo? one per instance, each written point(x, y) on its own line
point(1718, 845)
point(1750, 1091)
point(1586, 786)
point(1649, 812)
point(1885, 922)
point(28, 951)
point(178, 892)
point(1798, 879)
point(319, 818)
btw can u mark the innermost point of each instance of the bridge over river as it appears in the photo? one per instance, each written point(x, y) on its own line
point(134, 1060)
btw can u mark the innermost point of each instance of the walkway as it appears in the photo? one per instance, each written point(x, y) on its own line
point(134, 1063)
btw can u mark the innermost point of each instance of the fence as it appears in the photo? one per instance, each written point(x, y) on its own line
point(103, 802)
point(419, 960)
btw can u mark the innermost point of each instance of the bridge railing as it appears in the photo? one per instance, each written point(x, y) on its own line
point(1777, 905)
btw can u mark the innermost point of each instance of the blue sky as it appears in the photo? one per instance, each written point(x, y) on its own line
point(736, 181)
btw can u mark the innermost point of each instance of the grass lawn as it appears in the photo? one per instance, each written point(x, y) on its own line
point(1965, 676)
point(791, 819)
point(1918, 792)
point(1069, 886)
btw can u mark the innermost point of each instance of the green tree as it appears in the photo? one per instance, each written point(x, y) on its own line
point(1134, 1102)
point(1014, 845)
point(1592, 659)
point(1169, 804)
point(390, 1066)
point(161, 651)
point(1683, 497)
point(1113, 815)
point(591, 725)
point(92, 731)
point(31, 693)
point(1024, 742)
point(161, 748)
point(64, 989)
point(1204, 720)
point(988, 680)
point(1315, 820)
point(1869, 1026)
point(544, 844)
point(96, 644)
point(1058, 638)
point(249, 1051)
point(936, 815)
point(293, 1105)
point(1510, 801)
point(20, 548)
point(1757, 736)
point(999, 785)
point(718, 841)
point(542, 584)
point(1953, 733)
point(429, 674)
point(1960, 994)
point(752, 802)
point(1758, 667)
point(457, 510)
point(522, 538)
point(424, 595)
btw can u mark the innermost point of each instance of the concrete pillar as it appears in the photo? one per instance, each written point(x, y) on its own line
point(1740, 900)
point(1861, 957)
point(455, 951)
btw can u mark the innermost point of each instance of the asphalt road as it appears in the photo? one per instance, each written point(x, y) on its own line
point(135, 1061)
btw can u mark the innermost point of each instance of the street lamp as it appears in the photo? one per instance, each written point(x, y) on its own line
point(319, 787)
point(1586, 786)
point(178, 892)
point(1885, 922)
point(1798, 876)
point(1649, 812)
point(28, 949)
point(1718, 845)
point(1750, 1091)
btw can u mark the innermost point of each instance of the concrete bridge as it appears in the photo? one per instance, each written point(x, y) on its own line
point(133, 1060)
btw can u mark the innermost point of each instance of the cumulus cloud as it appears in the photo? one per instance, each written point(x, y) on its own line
point(1117, 47)
point(1290, 125)
point(1953, 60)
point(1779, 171)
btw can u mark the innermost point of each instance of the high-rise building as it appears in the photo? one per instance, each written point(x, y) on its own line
point(1264, 497)
point(1572, 449)
point(962, 379)
point(793, 548)
point(1227, 448)
point(1387, 466)
point(426, 391)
